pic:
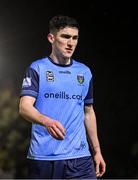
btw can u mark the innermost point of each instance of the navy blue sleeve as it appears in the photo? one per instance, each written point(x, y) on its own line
point(30, 85)
point(89, 97)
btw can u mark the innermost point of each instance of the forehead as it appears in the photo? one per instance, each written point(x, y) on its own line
point(69, 30)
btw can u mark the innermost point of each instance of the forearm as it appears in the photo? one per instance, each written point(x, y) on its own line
point(92, 135)
point(30, 113)
point(91, 128)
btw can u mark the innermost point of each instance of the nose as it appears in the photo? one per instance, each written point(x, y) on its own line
point(70, 42)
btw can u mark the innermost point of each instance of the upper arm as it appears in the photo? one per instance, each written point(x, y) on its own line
point(88, 109)
point(89, 112)
point(26, 101)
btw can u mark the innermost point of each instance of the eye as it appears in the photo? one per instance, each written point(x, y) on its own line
point(75, 37)
point(66, 36)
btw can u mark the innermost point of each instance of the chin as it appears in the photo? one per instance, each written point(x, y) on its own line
point(67, 56)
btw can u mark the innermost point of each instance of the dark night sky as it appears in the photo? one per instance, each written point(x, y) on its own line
point(108, 44)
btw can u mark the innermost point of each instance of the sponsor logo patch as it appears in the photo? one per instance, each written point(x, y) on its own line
point(27, 82)
point(49, 76)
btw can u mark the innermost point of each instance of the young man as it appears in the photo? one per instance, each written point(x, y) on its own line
point(57, 98)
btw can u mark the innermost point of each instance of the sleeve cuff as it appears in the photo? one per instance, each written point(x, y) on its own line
point(28, 93)
point(88, 101)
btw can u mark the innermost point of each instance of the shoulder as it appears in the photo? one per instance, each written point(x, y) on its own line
point(36, 65)
point(83, 66)
point(38, 62)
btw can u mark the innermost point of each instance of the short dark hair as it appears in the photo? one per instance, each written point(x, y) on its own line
point(59, 22)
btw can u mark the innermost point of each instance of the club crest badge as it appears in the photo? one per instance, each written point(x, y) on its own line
point(80, 78)
point(49, 76)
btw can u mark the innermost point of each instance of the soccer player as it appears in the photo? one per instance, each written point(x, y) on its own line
point(57, 97)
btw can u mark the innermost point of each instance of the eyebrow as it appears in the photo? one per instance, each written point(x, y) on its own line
point(69, 36)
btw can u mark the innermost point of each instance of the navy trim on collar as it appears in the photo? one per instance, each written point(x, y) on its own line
point(62, 65)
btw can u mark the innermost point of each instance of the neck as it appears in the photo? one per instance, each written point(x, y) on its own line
point(59, 59)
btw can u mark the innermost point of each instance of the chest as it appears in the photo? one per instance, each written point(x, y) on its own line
point(59, 80)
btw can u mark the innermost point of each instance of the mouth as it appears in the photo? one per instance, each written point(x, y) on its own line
point(69, 50)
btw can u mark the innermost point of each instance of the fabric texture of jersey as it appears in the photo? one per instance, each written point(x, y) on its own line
point(61, 92)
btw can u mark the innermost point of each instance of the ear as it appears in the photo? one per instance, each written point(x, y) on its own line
point(50, 38)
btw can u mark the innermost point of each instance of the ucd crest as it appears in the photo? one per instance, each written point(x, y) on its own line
point(80, 78)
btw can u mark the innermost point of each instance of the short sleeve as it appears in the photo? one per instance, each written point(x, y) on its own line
point(89, 97)
point(30, 85)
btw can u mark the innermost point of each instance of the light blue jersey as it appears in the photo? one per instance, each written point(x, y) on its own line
point(61, 91)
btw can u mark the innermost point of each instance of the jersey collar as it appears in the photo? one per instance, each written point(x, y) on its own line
point(61, 65)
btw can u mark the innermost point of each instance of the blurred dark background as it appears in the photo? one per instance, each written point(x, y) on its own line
point(107, 44)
